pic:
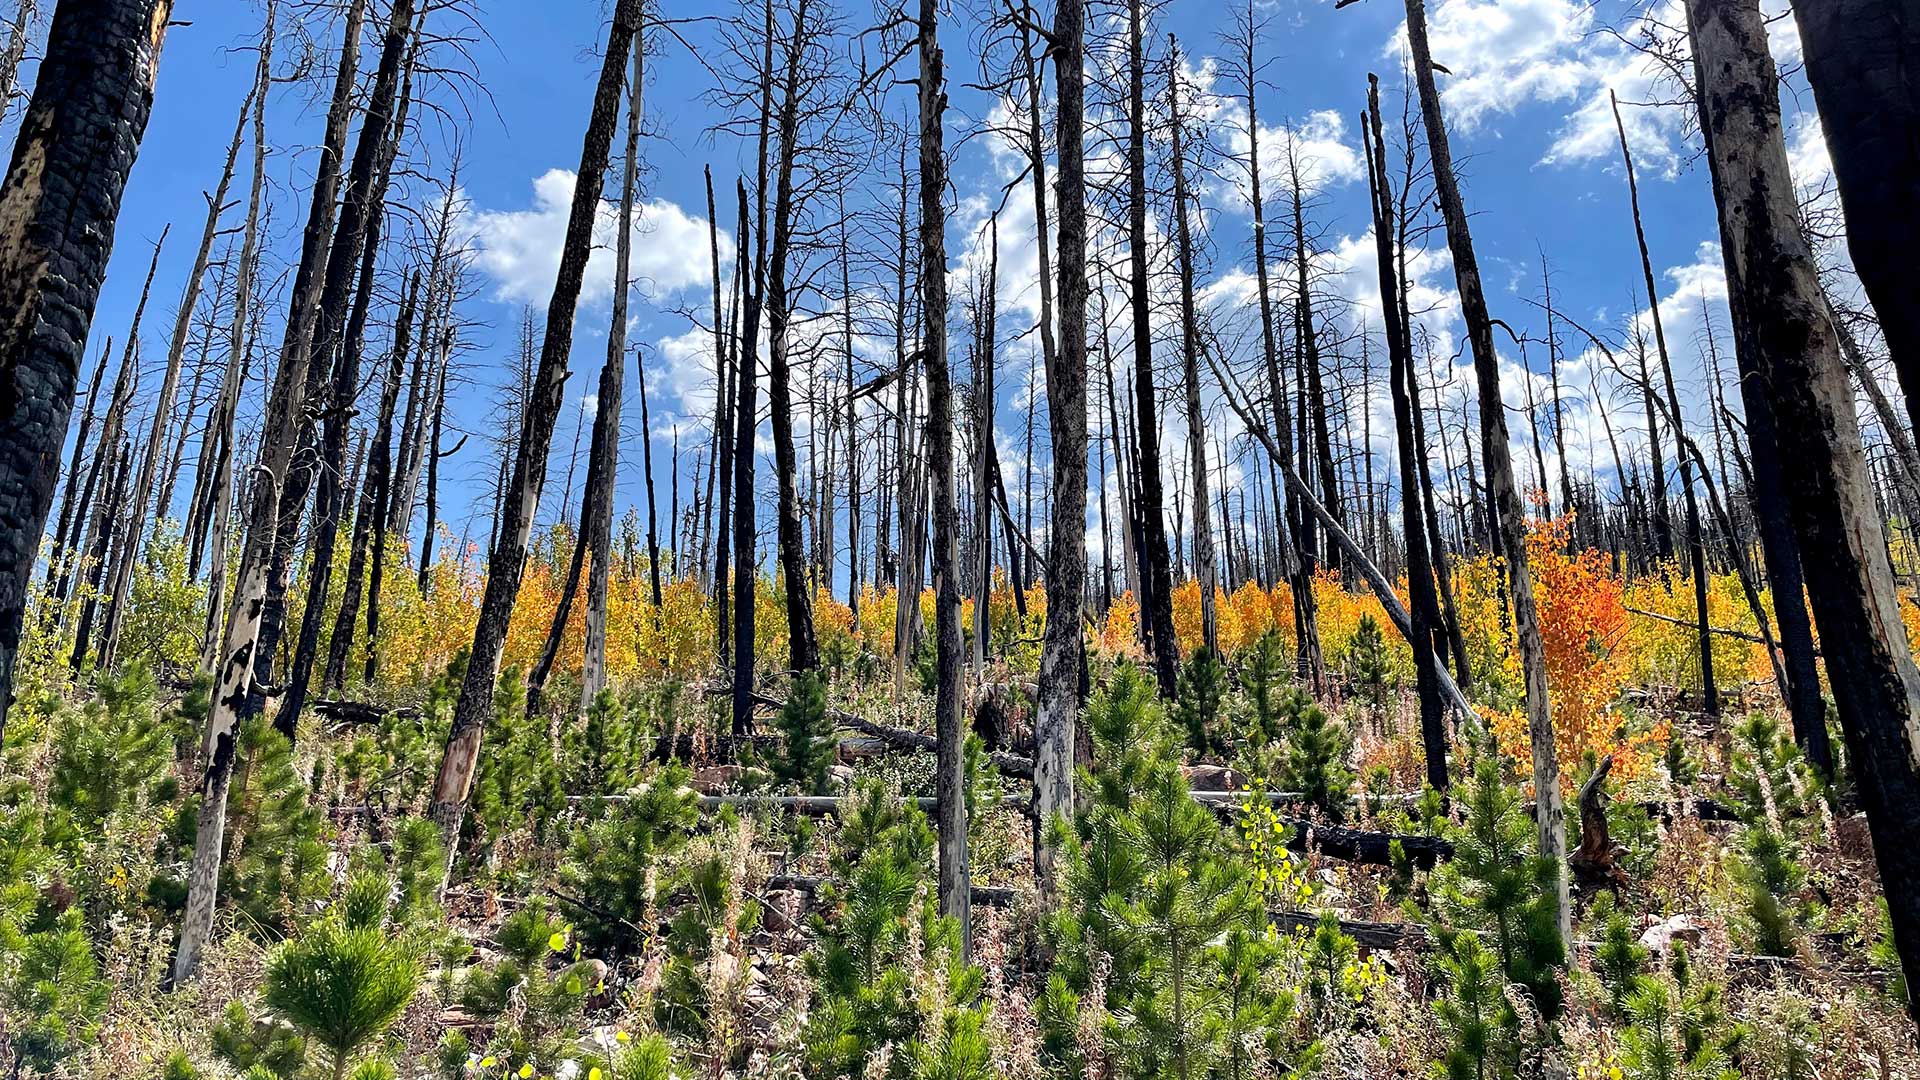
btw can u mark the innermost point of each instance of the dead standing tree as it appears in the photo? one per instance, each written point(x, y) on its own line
point(507, 561)
point(59, 203)
point(233, 661)
point(1309, 666)
point(1190, 345)
point(1426, 619)
point(1150, 504)
point(1786, 347)
point(1508, 513)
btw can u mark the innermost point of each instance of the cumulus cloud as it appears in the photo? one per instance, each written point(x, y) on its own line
point(519, 249)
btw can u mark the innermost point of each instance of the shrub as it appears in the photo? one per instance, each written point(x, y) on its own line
point(807, 741)
point(108, 755)
point(1498, 884)
point(1482, 1031)
point(1367, 664)
point(278, 858)
point(342, 982)
point(55, 992)
point(1315, 760)
point(249, 1042)
point(612, 864)
point(1769, 877)
point(1201, 687)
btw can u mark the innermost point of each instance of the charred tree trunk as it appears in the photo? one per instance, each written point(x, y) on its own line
point(1788, 348)
point(58, 206)
point(1509, 516)
point(802, 650)
point(1863, 61)
point(1061, 658)
point(1696, 542)
point(121, 581)
point(234, 677)
point(507, 562)
point(370, 511)
point(1426, 604)
point(950, 776)
point(1156, 606)
point(1203, 555)
point(596, 507)
point(341, 335)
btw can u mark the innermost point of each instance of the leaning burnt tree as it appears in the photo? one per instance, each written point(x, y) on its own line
point(1508, 513)
point(1786, 346)
point(58, 206)
point(506, 563)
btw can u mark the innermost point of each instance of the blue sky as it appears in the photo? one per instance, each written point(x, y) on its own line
point(1527, 101)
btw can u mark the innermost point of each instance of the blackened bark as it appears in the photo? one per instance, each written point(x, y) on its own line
point(596, 507)
point(507, 562)
point(369, 515)
point(1061, 657)
point(136, 513)
point(1156, 605)
point(950, 775)
point(1509, 516)
point(339, 338)
point(59, 558)
point(58, 205)
point(1785, 344)
point(1696, 543)
point(803, 652)
point(1203, 556)
point(1863, 61)
point(1426, 604)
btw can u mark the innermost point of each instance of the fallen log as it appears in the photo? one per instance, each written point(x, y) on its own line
point(1362, 845)
point(342, 711)
point(1372, 935)
point(987, 895)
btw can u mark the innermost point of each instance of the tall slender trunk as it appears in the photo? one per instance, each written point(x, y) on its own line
point(802, 650)
point(1863, 62)
point(1062, 654)
point(983, 407)
point(950, 772)
point(1310, 383)
point(1156, 576)
point(1696, 542)
point(596, 507)
point(217, 444)
point(745, 532)
point(121, 581)
point(1309, 668)
point(341, 336)
point(234, 678)
point(107, 517)
point(1508, 514)
point(59, 558)
point(370, 510)
point(82, 131)
point(1426, 604)
point(507, 561)
point(1203, 556)
point(320, 286)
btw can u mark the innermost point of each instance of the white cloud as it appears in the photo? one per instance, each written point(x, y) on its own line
point(520, 249)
